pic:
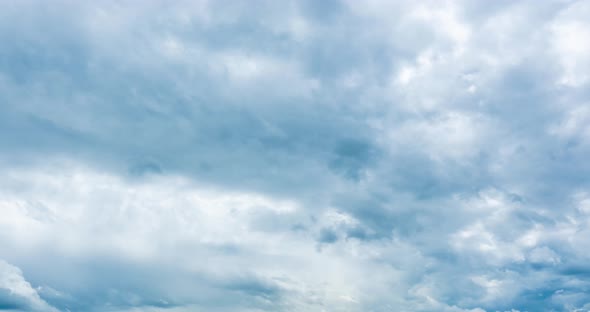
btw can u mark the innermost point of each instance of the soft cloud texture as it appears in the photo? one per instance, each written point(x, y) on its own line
point(17, 293)
point(295, 156)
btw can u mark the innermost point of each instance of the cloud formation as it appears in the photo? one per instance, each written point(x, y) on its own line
point(16, 293)
point(295, 156)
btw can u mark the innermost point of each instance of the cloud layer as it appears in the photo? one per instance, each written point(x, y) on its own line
point(295, 156)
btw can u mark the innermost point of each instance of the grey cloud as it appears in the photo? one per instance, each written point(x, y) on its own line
point(440, 147)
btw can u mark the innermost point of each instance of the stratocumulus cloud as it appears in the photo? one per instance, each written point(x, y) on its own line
point(295, 156)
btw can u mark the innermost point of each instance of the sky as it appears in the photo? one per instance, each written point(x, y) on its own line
point(294, 155)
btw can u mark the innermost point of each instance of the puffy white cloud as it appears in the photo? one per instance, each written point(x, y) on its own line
point(18, 294)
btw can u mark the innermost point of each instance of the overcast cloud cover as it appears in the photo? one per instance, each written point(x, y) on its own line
point(295, 155)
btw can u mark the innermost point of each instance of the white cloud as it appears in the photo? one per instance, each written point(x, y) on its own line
point(570, 40)
point(18, 292)
point(83, 214)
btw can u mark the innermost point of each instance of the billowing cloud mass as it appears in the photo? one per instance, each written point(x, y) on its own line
point(295, 156)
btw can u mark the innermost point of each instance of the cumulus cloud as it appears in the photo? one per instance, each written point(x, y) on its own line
point(18, 294)
point(294, 156)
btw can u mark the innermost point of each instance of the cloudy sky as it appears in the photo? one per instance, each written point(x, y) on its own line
point(295, 155)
